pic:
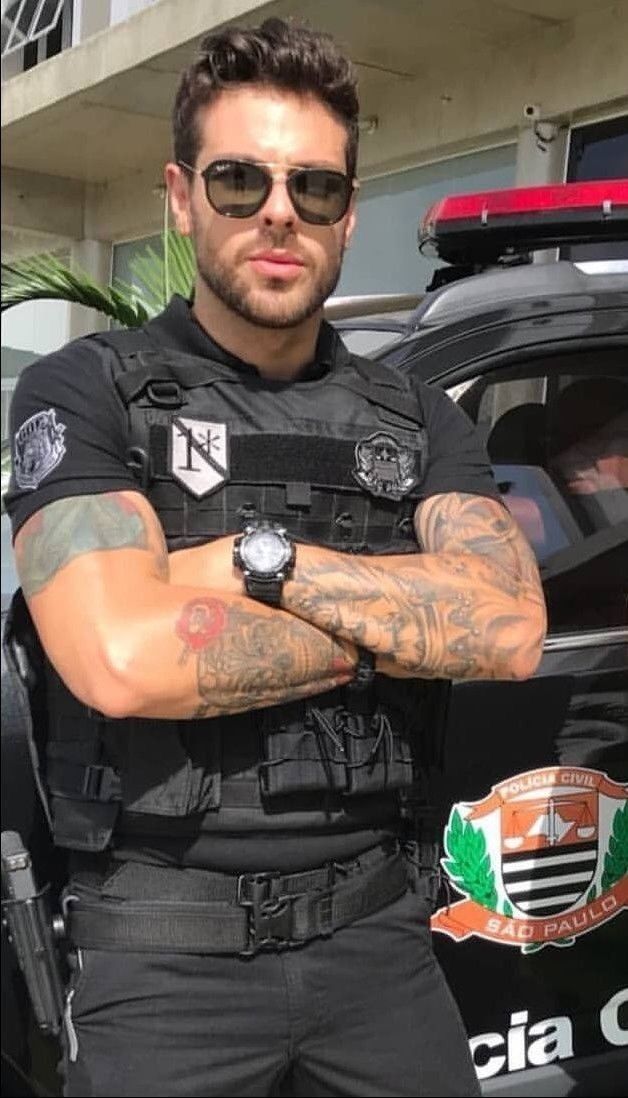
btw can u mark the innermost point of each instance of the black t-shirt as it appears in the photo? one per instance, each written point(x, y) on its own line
point(69, 434)
point(69, 429)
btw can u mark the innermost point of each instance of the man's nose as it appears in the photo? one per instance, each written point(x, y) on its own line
point(278, 208)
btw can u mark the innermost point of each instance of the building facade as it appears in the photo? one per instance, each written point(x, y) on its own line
point(457, 95)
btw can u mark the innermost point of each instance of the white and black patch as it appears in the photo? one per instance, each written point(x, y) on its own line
point(39, 448)
point(384, 467)
point(199, 454)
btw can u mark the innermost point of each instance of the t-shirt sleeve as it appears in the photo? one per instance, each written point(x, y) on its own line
point(68, 431)
point(457, 457)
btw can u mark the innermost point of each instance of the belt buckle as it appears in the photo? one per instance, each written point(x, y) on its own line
point(270, 923)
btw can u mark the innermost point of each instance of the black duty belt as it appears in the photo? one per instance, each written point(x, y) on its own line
point(242, 915)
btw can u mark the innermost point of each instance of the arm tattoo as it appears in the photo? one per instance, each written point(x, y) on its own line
point(246, 661)
point(471, 606)
point(458, 523)
point(69, 528)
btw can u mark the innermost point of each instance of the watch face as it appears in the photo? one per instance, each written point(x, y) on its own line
point(265, 552)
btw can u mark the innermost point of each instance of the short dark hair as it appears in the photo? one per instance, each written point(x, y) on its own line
point(584, 408)
point(288, 56)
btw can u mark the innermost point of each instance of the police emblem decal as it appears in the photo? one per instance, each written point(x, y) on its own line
point(384, 467)
point(39, 448)
point(199, 456)
point(540, 860)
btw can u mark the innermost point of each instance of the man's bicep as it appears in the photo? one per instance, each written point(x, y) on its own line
point(88, 526)
point(459, 522)
point(82, 561)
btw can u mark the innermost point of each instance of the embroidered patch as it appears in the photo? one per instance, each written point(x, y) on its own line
point(199, 457)
point(39, 448)
point(384, 467)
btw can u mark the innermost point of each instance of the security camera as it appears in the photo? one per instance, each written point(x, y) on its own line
point(531, 112)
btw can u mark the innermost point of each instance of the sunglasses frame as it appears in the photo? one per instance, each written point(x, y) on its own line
point(284, 176)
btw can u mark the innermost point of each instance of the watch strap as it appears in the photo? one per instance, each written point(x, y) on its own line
point(364, 671)
point(265, 590)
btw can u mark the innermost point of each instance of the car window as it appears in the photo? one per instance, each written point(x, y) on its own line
point(557, 435)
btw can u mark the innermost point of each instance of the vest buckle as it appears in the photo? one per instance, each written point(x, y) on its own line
point(165, 394)
point(100, 783)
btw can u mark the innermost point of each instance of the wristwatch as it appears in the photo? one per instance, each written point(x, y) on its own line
point(265, 555)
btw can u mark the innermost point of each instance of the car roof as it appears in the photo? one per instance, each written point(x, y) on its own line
point(476, 293)
point(499, 286)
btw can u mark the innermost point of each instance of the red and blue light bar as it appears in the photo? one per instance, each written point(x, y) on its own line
point(482, 227)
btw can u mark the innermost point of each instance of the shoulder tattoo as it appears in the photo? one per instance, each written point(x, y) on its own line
point(69, 528)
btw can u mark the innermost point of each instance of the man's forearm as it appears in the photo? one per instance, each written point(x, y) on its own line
point(131, 642)
point(212, 655)
point(449, 615)
point(471, 606)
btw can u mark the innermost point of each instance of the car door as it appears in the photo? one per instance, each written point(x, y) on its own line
point(530, 788)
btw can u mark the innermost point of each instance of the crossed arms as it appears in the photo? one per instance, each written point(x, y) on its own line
point(134, 631)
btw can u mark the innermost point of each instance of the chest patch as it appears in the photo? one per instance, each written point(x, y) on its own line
point(384, 467)
point(199, 454)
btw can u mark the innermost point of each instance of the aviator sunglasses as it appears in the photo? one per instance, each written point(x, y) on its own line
point(239, 188)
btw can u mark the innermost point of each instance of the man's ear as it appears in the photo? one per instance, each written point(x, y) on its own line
point(350, 223)
point(178, 186)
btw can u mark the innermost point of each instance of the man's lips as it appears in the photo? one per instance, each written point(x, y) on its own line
point(276, 264)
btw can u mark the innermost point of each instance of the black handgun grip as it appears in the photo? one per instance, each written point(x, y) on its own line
point(27, 915)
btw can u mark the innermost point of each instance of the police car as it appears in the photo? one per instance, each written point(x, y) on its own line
point(527, 781)
point(528, 785)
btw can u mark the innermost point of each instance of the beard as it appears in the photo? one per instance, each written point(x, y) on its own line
point(275, 306)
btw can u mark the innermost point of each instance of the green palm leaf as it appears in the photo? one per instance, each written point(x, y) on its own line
point(46, 277)
point(156, 277)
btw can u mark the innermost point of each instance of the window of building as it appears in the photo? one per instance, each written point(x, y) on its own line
point(557, 435)
point(384, 255)
point(598, 151)
point(124, 253)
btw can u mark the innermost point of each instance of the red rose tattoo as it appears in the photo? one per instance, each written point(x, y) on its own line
point(200, 623)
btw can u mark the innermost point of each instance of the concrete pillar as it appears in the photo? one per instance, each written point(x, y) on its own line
point(541, 154)
point(92, 257)
point(90, 17)
point(542, 158)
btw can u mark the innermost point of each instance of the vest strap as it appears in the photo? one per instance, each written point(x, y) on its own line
point(90, 783)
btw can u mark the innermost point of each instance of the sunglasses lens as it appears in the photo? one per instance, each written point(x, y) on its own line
point(320, 196)
point(236, 188)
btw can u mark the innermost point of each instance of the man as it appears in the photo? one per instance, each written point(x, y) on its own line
point(235, 720)
point(588, 447)
point(587, 441)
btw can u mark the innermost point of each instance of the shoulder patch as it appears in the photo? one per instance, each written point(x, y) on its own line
point(39, 447)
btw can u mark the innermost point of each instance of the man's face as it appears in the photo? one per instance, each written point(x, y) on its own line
point(598, 462)
point(273, 269)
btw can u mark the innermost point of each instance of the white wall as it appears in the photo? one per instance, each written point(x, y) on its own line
point(124, 9)
point(37, 326)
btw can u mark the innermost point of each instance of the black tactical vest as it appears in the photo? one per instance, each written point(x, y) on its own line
point(339, 461)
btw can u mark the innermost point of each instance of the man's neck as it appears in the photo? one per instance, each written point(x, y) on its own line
point(279, 354)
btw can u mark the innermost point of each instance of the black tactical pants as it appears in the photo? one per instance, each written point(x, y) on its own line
point(365, 1012)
